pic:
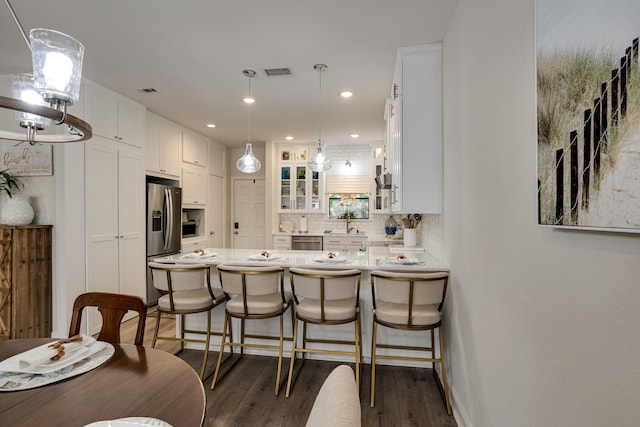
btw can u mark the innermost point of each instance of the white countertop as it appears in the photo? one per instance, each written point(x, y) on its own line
point(375, 258)
point(333, 233)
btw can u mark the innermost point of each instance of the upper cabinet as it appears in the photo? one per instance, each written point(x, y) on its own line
point(114, 116)
point(216, 160)
point(299, 188)
point(163, 145)
point(380, 195)
point(414, 130)
point(194, 148)
point(194, 186)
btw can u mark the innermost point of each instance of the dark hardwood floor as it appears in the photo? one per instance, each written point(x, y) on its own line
point(244, 393)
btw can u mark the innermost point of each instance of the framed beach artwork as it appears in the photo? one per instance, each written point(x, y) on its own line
point(588, 114)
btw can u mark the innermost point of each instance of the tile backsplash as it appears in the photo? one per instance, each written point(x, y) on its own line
point(429, 230)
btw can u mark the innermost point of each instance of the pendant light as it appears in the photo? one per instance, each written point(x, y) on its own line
point(57, 74)
point(319, 162)
point(249, 163)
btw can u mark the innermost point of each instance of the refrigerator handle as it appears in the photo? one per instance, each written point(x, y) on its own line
point(169, 217)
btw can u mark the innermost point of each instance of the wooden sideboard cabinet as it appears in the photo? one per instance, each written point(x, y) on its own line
point(25, 281)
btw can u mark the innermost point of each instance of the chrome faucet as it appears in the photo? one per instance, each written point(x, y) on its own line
point(348, 218)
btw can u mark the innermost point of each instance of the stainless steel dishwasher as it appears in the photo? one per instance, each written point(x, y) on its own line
point(306, 243)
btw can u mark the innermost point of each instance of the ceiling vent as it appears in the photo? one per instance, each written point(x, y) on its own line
point(147, 90)
point(284, 71)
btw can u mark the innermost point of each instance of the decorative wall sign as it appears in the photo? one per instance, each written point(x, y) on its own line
point(588, 111)
point(27, 160)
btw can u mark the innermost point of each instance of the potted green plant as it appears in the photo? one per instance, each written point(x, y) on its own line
point(16, 210)
point(9, 183)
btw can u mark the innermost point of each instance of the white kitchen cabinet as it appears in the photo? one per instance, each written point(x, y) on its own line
point(163, 146)
point(281, 242)
point(380, 197)
point(194, 148)
point(194, 186)
point(114, 116)
point(415, 129)
point(215, 212)
point(343, 243)
point(191, 245)
point(299, 188)
point(217, 164)
point(115, 197)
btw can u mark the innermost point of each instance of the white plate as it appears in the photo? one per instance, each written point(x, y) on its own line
point(194, 255)
point(334, 260)
point(406, 261)
point(53, 366)
point(128, 422)
point(259, 257)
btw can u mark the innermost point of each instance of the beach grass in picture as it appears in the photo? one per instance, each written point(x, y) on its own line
point(588, 124)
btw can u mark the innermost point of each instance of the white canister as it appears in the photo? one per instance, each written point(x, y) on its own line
point(410, 237)
point(303, 224)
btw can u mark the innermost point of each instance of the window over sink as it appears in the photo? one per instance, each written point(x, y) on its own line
point(353, 206)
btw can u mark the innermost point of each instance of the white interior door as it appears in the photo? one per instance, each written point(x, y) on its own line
point(215, 210)
point(248, 214)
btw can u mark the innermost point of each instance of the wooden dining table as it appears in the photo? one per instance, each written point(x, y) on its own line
point(136, 382)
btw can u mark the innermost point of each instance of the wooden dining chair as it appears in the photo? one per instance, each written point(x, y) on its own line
point(112, 307)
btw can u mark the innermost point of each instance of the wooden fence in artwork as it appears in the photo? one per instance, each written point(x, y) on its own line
point(608, 109)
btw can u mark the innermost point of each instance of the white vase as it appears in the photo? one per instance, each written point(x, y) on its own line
point(16, 210)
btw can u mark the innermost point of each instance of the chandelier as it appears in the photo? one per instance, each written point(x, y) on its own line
point(41, 99)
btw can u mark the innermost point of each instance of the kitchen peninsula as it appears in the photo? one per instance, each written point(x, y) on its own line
point(375, 258)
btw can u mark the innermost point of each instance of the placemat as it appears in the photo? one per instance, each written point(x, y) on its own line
point(14, 381)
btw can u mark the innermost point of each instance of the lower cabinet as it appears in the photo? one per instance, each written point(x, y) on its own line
point(343, 243)
point(115, 204)
point(282, 242)
point(192, 245)
point(25, 281)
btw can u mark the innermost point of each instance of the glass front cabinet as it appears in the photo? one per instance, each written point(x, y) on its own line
point(380, 200)
point(300, 189)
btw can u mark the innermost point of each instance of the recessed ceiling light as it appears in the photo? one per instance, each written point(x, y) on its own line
point(346, 94)
point(355, 135)
point(288, 138)
point(211, 125)
point(249, 100)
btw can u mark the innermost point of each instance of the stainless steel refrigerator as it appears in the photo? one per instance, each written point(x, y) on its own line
point(164, 212)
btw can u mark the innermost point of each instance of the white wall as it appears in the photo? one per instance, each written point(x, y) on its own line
point(542, 324)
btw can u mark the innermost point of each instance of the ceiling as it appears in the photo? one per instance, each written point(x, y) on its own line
point(193, 53)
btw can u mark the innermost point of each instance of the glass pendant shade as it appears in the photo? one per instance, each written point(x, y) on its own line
point(57, 64)
point(248, 163)
point(22, 89)
point(319, 162)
